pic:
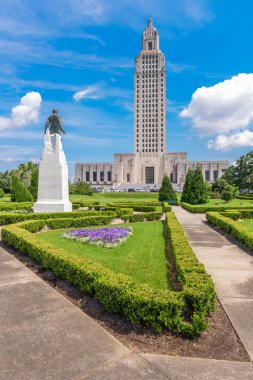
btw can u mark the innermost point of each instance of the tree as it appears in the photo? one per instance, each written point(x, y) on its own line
point(219, 185)
point(5, 180)
point(83, 188)
point(33, 188)
point(166, 191)
point(195, 189)
point(199, 188)
point(25, 171)
point(187, 187)
point(19, 192)
point(228, 193)
point(240, 173)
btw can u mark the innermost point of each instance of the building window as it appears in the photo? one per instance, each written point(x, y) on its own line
point(207, 175)
point(128, 177)
point(102, 177)
point(109, 176)
point(94, 176)
point(150, 46)
point(215, 175)
point(87, 176)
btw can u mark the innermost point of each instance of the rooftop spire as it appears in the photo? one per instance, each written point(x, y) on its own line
point(150, 38)
point(150, 22)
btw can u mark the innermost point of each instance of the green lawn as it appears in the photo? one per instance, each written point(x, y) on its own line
point(104, 198)
point(248, 223)
point(141, 256)
point(234, 202)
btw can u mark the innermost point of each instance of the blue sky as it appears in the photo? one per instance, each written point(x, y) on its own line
point(52, 50)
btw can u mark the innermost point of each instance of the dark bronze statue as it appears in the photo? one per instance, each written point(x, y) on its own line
point(54, 124)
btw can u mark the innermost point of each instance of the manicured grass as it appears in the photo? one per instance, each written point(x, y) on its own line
point(104, 198)
point(248, 223)
point(233, 203)
point(141, 256)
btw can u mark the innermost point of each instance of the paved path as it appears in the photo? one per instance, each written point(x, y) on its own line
point(231, 268)
point(43, 336)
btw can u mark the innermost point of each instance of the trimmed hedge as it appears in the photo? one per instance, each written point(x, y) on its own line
point(167, 208)
point(245, 196)
point(232, 227)
point(198, 287)
point(120, 293)
point(135, 207)
point(9, 218)
point(9, 206)
point(148, 216)
point(118, 211)
point(137, 203)
point(203, 209)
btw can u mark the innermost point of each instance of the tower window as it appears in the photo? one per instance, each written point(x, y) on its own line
point(150, 46)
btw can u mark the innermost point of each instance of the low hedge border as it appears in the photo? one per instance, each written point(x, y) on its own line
point(10, 206)
point(148, 216)
point(245, 196)
point(203, 209)
point(137, 203)
point(135, 207)
point(120, 293)
point(9, 218)
point(118, 211)
point(198, 287)
point(232, 227)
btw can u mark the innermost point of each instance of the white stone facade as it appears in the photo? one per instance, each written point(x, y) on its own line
point(149, 162)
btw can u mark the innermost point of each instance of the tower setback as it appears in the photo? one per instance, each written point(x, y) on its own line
point(149, 162)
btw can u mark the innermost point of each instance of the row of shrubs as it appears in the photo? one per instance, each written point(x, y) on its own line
point(11, 206)
point(235, 215)
point(147, 216)
point(118, 211)
point(135, 207)
point(119, 293)
point(9, 218)
point(198, 288)
point(245, 196)
point(202, 209)
point(136, 203)
point(233, 227)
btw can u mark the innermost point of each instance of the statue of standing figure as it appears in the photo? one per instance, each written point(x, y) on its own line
point(54, 124)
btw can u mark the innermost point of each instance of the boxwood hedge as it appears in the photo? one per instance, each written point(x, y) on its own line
point(119, 293)
point(204, 209)
point(233, 227)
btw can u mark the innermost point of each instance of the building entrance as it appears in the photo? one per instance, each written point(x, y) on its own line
point(150, 174)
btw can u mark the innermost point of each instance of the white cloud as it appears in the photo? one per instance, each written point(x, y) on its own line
point(226, 110)
point(25, 113)
point(89, 92)
point(237, 140)
point(222, 108)
point(102, 91)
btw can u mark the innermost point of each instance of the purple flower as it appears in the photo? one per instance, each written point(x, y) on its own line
point(105, 236)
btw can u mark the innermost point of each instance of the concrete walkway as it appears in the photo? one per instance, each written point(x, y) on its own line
point(43, 336)
point(231, 268)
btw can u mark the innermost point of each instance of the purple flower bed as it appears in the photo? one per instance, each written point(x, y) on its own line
point(108, 237)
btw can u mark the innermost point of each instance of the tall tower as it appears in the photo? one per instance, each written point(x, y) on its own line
point(150, 96)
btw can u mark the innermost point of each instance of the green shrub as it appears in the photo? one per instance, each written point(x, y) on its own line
point(142, 217)
point(19, 192)
point(119, 293)
point(9, 218)
point(135, 207)
point(166, 191)
point(166, 208)
point(11, 206)
point(232, 227)
point(2, 194)
point(198, 288)
point(82, 188)
point(204, 209)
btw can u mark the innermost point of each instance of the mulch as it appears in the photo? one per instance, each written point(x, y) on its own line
point(219, 341)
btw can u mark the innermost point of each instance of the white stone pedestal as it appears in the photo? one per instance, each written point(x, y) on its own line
point(53, 190)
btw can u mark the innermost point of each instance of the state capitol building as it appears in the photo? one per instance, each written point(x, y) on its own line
point(150, 161)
